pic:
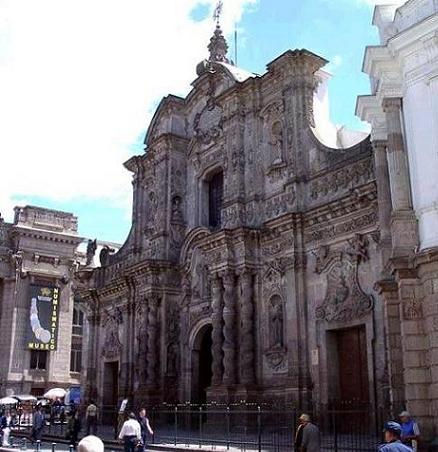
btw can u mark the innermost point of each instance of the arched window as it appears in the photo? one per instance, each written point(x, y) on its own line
point(215, 198)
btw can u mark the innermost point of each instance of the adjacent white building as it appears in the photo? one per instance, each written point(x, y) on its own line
point(403, 112)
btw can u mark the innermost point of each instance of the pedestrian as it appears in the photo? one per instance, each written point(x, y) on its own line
point(90, 443)
point(5, 426)
point(410, 431)
point(91, 418)
point(73, 428)
point(308, 436)
point(393, 431)
point(38, 424)
point(130, 433)
point(145, 427)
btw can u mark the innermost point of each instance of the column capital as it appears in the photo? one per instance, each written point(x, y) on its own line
point(380, 145)
point(391, 104)
point(228, 276)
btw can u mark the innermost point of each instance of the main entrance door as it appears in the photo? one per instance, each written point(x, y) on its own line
point(110, 391)
point(353, 367)
point(201, 365)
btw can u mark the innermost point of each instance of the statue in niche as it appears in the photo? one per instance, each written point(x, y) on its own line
point(277, 143)
point(172, 356)
point(199, 279)
point(276, 322)
point(177, 215)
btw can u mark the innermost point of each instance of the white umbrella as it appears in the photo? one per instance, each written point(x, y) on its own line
point(55, 393)
point(8, 401)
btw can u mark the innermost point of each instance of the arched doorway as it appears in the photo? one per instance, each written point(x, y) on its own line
point(202, 360)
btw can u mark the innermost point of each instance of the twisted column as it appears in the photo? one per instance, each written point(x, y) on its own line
point(229, 345)
point(152, 350)
point(217, 335)
point(246, 358)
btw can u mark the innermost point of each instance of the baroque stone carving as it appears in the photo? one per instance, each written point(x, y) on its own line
point(172, 341)
point(229, 330)
point(217, 337)
point(152, 332)
point(247, 329)
point(141, 339)
point(345, 299)
point(112, 344)
point(208, 123)
point(334, 182)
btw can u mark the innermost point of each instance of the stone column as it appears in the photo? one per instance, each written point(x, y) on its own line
point(152, 350)
point(217, 334)
point(403, 221)
point(229, 346)
point(383, 197)
point(246, 359)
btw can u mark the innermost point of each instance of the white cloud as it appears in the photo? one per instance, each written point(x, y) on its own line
point(78, 82)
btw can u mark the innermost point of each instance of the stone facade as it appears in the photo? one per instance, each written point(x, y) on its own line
point(403, 112)
point(289, 266)
point(39, 247)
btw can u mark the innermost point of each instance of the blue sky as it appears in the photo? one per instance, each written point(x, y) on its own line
point(76, 102)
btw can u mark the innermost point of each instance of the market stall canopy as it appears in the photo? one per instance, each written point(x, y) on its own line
point(25, 398)
point(55, 393)
point(8, 401)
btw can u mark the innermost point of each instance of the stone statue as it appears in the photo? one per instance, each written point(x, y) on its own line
point(104, 255)
point(277, 143)
point(276, 322)
point(91, 250)
point(177, 215)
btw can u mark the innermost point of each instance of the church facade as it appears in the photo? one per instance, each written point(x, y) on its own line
point(249, 270)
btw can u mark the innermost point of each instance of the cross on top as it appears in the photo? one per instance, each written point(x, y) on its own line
point(218, 11)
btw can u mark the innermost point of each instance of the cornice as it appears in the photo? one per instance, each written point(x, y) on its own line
point(46, 235)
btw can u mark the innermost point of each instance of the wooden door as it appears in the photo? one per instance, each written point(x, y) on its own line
point(353, 367)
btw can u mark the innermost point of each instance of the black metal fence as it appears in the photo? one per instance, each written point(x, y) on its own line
point(244, 427)
point(256, 427)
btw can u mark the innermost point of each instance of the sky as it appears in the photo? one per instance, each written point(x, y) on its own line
point(80, 80)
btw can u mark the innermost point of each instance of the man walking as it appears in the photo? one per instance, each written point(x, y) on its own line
point(91, 418)
point(38, 424)
point(308, 437)
point(410, 430)
point(145, 427)
point(130, 433)
point(393, 431)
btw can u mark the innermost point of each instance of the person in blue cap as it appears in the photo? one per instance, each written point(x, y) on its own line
point(393, 431)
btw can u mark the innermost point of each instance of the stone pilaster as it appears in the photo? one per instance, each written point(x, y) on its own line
point(403, 221)
point(229, 314)
point(383, 198)
point(217, 333)
point(246, 358)
point(152, 350)
point(388, 290)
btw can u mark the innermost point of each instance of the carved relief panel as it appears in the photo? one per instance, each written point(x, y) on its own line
point(344, 300)
point(274, 327)
point(111, 321)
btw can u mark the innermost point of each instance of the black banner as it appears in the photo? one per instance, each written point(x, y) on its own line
point(43, 318)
